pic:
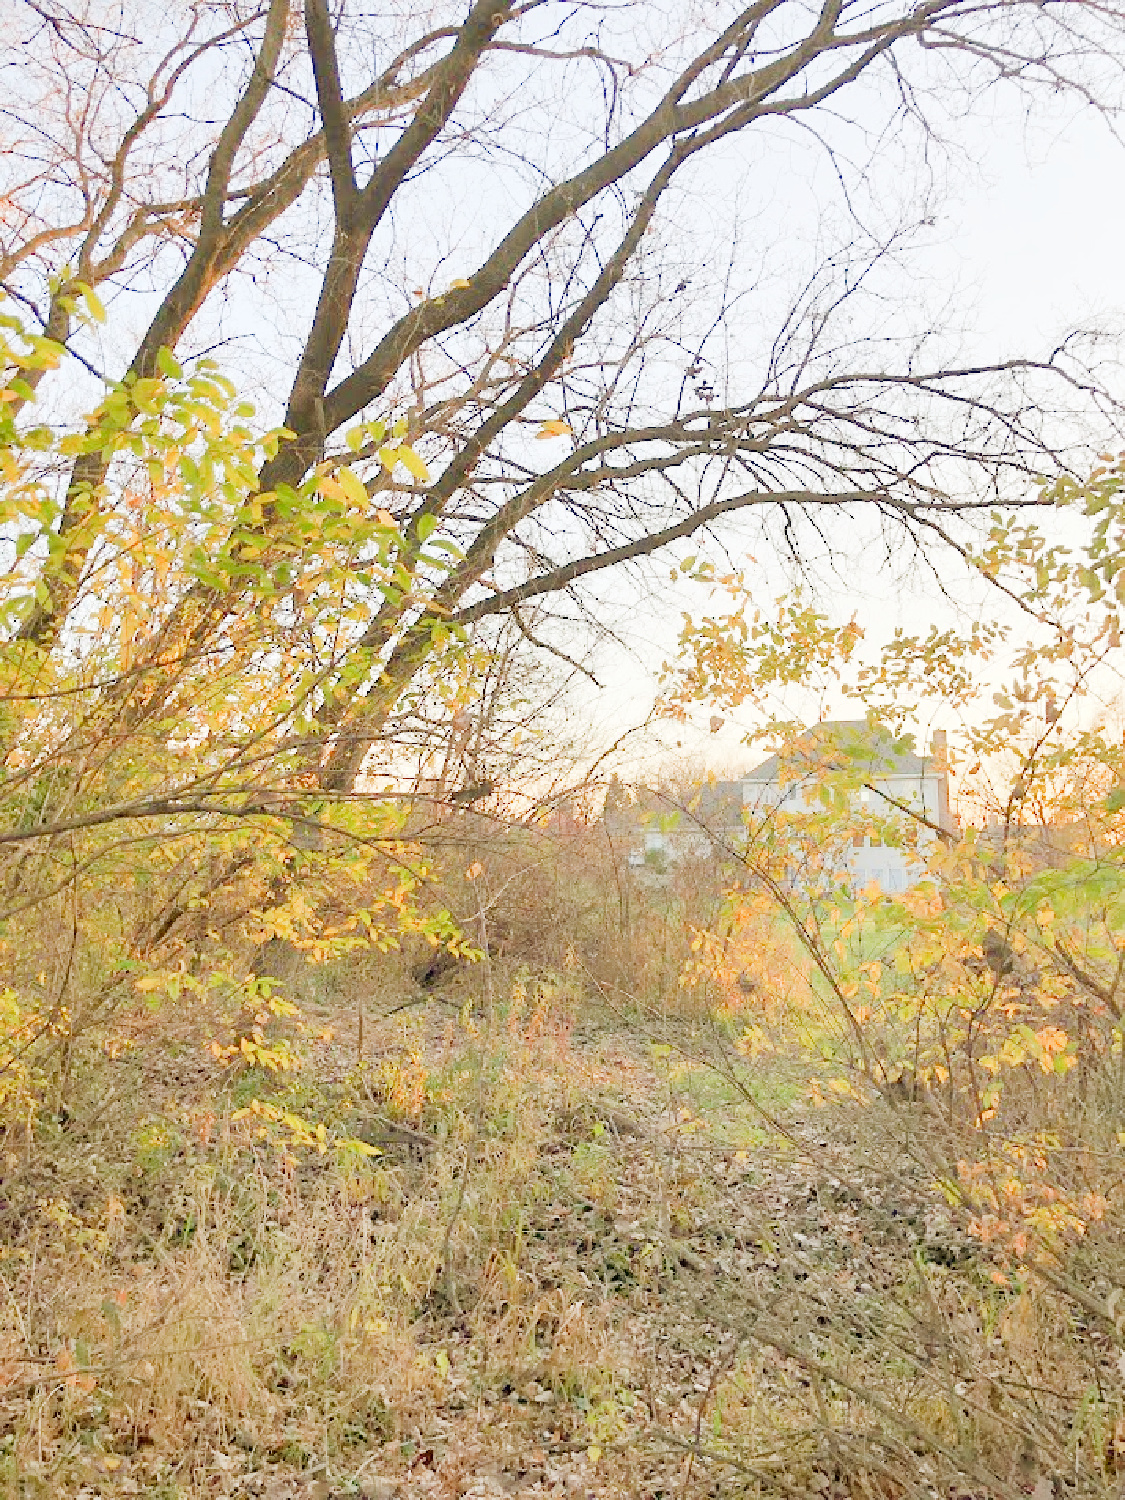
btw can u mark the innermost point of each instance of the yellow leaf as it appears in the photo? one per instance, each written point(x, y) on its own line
point(408, 457)
point(358, 1147)
point(94, 305)
point(384, 518)
point(460, 285)
point(352, 486)
point(556, 427)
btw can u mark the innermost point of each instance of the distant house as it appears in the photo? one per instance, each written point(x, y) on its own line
point(881, 777)
point(658, 831)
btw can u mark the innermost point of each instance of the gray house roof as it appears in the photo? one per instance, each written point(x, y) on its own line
point(845, 744)
point(711, 804)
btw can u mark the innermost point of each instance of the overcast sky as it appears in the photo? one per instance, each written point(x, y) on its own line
point(1028, 236)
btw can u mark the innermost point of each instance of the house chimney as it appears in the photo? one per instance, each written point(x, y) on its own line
point(940, 767)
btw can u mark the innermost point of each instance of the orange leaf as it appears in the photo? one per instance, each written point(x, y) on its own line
point(66, 1367)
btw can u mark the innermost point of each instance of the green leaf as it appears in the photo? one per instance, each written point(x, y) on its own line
point(426, 527)
point(169, 364)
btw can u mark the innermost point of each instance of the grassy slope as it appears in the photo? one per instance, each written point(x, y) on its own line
point(582, 1264)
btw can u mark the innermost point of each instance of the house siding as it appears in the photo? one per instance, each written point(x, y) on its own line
point(903, 778)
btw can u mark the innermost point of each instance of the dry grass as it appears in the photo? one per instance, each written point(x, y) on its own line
point(576, 1263)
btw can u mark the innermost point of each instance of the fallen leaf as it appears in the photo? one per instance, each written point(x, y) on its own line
point(66, 1367)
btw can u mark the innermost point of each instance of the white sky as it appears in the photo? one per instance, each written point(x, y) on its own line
point(1031, 234)
point(1042, 234)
